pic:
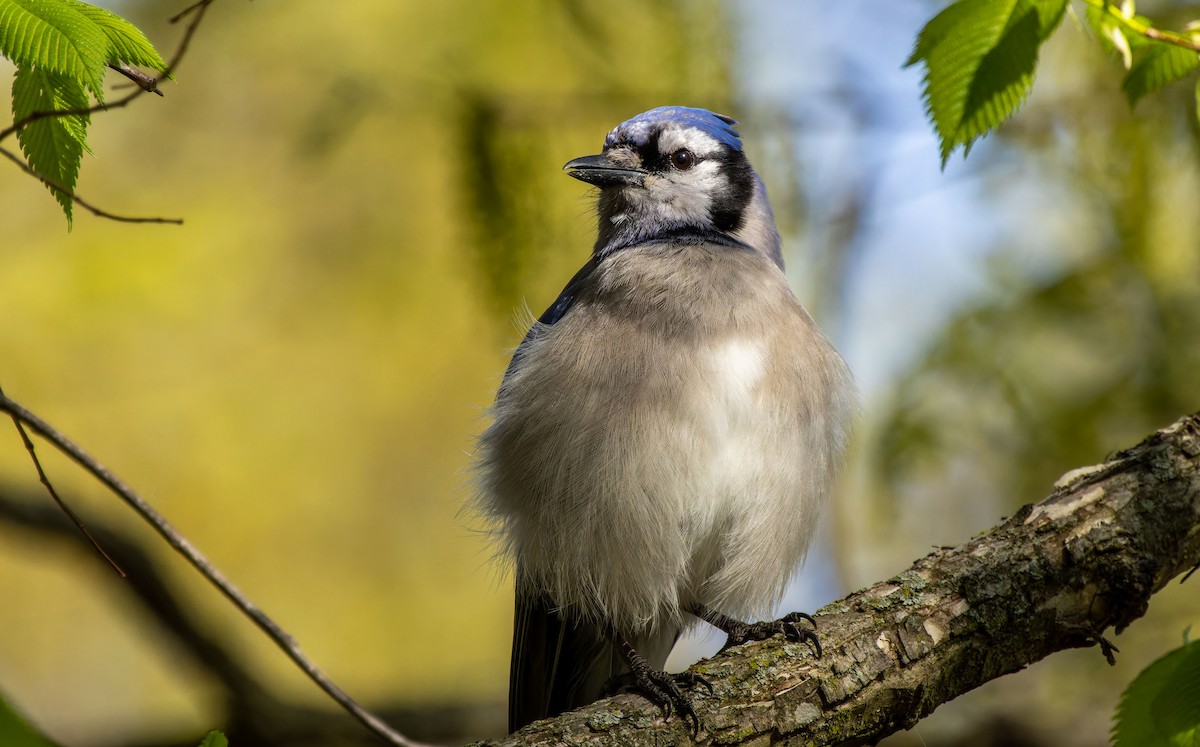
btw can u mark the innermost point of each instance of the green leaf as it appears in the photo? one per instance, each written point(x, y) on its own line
point(935, 32)
point(954, 16)
point(126, 42)
point(1161, 64)
point(53, 146)
point(214, 739)
point(56, 36)
point(1050, 14)
point(1161, 707)
point(1108, 23)
point(980, 56)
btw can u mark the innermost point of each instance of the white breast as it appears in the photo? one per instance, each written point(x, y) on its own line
point(734, 411)
point(733, 436)
point(739, 364)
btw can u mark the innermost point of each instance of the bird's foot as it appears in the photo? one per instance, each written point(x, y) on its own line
point(788, 626)
point(663, 689)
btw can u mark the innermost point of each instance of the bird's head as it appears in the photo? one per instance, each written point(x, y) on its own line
point(674, 169)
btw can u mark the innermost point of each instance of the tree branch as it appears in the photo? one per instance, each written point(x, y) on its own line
point(44, 479)
point(144, 81)
point(210, 572)
point(1053, 577)
point(254, 713)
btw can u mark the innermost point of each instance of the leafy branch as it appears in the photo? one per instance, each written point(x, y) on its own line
point(980, 57)
point(61, 49)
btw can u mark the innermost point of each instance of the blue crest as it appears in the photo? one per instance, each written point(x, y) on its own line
point(639, 128)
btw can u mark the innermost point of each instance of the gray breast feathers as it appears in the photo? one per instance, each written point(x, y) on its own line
point(689, 467)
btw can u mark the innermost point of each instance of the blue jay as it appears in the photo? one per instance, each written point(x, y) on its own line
point(668, 430)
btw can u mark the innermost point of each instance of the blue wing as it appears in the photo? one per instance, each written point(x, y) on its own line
point(558, 309)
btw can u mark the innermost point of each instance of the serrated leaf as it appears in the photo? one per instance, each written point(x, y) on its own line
point(214, 739)
point(127, 44)
point(1161, 707)
point(54, 35)
point(1160, 65)
point(979, 58)
point(1050, 14)
point(53, 146)
point(934, 33)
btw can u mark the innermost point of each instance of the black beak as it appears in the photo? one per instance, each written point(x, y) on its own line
point(602, 172)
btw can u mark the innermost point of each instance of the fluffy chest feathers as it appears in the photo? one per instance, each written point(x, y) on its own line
point(696, 423)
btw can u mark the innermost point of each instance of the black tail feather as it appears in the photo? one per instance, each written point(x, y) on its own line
point(559, 665)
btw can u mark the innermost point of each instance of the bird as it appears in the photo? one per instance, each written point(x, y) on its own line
point(667, 431)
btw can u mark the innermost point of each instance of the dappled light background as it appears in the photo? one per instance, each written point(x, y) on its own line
point(373, 204)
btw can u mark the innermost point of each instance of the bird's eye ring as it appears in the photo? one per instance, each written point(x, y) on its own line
point(683, 159)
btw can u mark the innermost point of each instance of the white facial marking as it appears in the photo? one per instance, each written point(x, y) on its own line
point(672, 139)
point(684, 196)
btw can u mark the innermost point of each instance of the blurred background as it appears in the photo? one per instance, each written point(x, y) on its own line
point(373, 196)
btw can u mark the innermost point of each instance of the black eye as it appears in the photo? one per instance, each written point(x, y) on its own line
point(683, 159)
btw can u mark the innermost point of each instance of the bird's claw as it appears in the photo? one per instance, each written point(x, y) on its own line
point(787, 626)
point(795, 632)
point(661, 688)
point(691, 679)
point(666, 691)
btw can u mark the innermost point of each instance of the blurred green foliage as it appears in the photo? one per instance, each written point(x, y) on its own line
point(1083, 349)
point(1086, 339)
point(214, 739)
point(371, 191)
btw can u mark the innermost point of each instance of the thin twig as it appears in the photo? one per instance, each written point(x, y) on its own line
point(44, 479)
point(98, 212)
point(1169, 38)
point(1137, 26)
point(210, 572)
point(201, 5)
point(147, 580)
point(29, 119)
point(145, 82)
point(124, 101)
